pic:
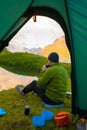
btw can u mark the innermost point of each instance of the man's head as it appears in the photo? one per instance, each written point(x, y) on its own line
point(53, 57)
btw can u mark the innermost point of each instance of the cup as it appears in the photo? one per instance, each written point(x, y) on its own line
point(27, 110)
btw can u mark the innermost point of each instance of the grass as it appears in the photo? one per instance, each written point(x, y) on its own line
point(24, 63)
point(15, 119)
point(14, 104)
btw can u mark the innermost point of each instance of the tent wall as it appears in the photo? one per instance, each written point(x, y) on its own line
point(77, 10)
point(13, 15)
point(10, 13)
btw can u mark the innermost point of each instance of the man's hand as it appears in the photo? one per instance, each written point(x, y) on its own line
point(44, 68)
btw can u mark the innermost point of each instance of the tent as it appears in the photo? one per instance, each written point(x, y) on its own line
point(72, 17)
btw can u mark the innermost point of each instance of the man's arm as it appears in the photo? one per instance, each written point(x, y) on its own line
point(45, 78)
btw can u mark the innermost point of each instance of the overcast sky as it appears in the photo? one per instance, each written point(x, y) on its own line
point(38, 34)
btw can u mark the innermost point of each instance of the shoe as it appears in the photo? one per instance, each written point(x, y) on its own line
point(19, 89)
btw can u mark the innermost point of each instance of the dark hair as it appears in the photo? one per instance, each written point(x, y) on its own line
point(54, 57)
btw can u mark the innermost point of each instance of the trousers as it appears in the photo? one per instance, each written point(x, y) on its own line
point(40, 91)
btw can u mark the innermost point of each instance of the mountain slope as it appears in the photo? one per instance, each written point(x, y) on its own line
point(58, 46)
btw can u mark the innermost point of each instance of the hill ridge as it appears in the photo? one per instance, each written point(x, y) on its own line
point(58, 46)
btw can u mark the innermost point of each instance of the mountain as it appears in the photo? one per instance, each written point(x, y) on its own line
point(58, 46)
point(32, 50)
point(19, 47)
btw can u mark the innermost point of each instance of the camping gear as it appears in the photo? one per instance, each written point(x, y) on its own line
point(62, 118)
point(40, 120)
point(27, 110)
point(72, 17)
point(47, 114)
point(68, 94)
point(81, 126)
point(53, 106)
point(2, 112)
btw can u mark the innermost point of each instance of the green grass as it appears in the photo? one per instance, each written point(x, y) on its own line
point(15, 119)
point(14, 104)
point(24, 63)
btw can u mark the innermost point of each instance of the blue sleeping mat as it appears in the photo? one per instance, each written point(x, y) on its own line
point(53, 106)
point(2, 112)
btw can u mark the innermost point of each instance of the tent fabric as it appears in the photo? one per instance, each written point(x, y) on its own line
point(13, 17)
point(77, 11)
point(72, 17)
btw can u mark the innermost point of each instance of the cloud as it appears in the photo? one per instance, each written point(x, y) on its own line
point(38, 34)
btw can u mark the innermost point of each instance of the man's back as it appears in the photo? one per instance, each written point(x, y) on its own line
point(55, 80)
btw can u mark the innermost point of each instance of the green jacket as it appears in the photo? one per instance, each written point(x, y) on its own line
point(55, 81)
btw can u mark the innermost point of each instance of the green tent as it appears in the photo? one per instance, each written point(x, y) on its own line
point(72, 17)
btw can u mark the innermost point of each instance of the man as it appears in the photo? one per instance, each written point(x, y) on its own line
point(52, 82)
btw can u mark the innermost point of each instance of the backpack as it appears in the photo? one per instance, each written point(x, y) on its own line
point(62, 118)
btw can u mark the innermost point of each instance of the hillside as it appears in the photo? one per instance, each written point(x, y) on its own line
point(58, 46)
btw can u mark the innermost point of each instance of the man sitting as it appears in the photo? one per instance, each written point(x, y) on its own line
point(52, 82)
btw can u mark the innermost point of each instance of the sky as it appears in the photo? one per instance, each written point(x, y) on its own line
point(38, 34)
